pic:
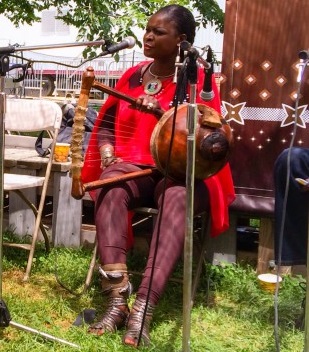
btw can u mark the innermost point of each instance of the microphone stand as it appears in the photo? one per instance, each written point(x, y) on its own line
point(12, 48)
point(306, 340)
point(190, 177)
point(304, 62)
point(5, 317)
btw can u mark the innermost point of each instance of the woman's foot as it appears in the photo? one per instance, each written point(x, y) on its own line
point(134, 325)
point(115, 317)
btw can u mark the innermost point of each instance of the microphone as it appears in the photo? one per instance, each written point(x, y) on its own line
point(304, 55)
point(303, 62)
point(128, 42)
point(207, 93)
point(186, 46)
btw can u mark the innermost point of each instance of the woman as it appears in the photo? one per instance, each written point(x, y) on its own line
point(121, 140)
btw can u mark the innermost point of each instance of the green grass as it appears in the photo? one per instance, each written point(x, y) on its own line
point(231, 313)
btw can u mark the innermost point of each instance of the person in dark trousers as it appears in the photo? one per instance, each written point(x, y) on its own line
point(291, 167)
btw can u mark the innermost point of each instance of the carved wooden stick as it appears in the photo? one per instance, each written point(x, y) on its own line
point(89, 186)
point(77, 190)
point(103, 88)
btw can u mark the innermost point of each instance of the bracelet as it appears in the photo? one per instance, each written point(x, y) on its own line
point(106, 153)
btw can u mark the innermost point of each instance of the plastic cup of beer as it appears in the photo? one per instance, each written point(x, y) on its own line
point(61, 153)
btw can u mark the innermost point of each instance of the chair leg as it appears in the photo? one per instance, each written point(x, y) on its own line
point(266, 245)
point(32, 247)
point(38, 220)
point(35, 212)
point(91, 267)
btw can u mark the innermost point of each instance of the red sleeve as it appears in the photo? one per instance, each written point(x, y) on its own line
point(91, 169)
point(220, 186)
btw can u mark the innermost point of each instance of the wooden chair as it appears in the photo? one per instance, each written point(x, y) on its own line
point(23, 115)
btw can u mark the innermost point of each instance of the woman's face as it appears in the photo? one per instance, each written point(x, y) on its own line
point(161, 37)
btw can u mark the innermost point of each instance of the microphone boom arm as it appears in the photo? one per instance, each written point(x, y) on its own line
point(12, 48)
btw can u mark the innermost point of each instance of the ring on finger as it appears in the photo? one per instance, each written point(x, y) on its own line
point(150, 106)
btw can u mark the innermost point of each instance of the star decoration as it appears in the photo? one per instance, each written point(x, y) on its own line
point(233, 112)
point(291, 114)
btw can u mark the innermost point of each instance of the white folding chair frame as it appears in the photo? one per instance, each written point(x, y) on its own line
point(27, 115)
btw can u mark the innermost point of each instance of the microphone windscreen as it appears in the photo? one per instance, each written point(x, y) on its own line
point(207, 96)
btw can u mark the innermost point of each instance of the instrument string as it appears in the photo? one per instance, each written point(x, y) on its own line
point(126, 135)
point(126, 128)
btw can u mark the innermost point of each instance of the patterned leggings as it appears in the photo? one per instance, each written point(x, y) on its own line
point(111, 219)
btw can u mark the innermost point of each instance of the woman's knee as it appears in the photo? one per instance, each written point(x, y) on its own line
point(174, 197)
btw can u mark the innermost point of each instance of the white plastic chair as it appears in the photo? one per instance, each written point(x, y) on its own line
point(27, 115)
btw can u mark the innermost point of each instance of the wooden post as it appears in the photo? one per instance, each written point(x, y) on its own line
point(266, 245)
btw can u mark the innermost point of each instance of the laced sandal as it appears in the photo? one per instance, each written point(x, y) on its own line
point(115, 317)
point(134, 324)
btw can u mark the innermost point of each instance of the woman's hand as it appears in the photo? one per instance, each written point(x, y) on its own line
point(107, 156)
point(303, 183)
point(109, 161)
point(147, 103)
point(306, 186)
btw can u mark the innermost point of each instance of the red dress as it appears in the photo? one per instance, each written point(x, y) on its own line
point(133, 131)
